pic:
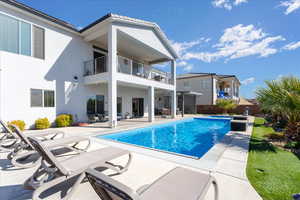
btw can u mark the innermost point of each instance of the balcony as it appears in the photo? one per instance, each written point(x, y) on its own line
point(223, 95)
point(127, 66)
point(96, 66)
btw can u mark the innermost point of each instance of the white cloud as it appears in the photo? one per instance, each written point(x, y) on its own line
point(182, 47)
point(279, 77)
point(182, 63)
point(291, 5)
point(236, 42)
point(188, 68)
point(292, 46)
point(228, 4)
point(248, 81)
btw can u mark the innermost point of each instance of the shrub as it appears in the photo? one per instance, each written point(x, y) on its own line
point(226, 104)
point(64, 120)
point(19, 123)
point(282, 98)
point(42, 123)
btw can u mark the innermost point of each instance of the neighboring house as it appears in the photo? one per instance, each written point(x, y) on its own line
point(48, 67)
point(211, 86)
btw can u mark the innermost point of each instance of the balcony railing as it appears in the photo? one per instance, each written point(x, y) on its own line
point(127, 66)
point(96, 66)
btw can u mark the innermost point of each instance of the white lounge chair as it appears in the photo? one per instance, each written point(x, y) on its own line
point(24, 149)
point(11, 141)
point(178, 184)
point(53, 171)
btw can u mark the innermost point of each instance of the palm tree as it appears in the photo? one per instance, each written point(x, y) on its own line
point(282, 97)
point(226, 104)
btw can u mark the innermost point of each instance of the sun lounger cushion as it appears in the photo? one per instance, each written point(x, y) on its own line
point(64, 141)
point(84, 160)
point(178, 184)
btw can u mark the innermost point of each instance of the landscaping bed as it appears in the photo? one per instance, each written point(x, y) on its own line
point(272, 170)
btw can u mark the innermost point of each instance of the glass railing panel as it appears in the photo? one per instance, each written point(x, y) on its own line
point(124, 65)
point(100, 65)
point(89, 68)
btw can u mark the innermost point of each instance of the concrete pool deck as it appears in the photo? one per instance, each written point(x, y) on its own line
point(229, 168)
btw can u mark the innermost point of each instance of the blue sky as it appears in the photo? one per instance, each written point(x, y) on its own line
point(256, 40)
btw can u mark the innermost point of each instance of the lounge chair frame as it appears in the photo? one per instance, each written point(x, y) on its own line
point(18, 153)
point(103, 185)
point(51, 172)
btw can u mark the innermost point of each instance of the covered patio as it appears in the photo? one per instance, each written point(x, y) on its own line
point(125, 52)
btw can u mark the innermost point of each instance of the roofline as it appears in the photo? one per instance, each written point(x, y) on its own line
point(95, 22)
point(40, 14)
point(199, 75)
point(128, 20)
point(114, 17)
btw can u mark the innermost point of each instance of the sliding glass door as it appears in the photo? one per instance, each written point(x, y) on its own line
point(138, 107)
point(95, 105)
point(99, 104)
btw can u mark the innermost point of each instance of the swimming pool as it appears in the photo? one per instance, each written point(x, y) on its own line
point(190, 137)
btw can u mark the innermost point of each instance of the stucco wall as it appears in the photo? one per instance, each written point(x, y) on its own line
point(198, 84)
point(64, 56)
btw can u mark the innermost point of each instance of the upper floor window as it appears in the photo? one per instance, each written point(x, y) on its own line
point(16, 37)
point(38, 42)
point(186, 84)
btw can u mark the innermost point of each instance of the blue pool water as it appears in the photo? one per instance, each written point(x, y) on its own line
point(190, 137)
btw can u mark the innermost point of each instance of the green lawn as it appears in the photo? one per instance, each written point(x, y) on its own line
point(273, 172)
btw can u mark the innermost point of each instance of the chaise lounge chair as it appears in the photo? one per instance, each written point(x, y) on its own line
point(53, 171)
point(11, 140)
point(178, 184)
point(24, 149)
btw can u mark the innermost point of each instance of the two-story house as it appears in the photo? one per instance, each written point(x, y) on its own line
point(48, 67)
point(211, 86)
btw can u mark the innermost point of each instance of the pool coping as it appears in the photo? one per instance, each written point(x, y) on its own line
point(207, 162)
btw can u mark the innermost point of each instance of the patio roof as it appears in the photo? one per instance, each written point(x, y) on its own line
point(190, 93)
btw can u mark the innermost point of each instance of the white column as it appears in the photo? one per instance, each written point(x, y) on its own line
point(151, 104)
point(112, 70)
point(173, 103)
point(215, 90)
point(173, 71)
point(173, 93)
point(232, 88)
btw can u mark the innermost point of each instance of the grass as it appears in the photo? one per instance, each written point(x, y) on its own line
point(272, 171)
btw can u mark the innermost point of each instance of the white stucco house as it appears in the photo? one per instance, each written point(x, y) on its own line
point(48, 67)
point(212, 86)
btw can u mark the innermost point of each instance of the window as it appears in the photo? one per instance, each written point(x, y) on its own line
point(9, 34)
point(38, 42)
point(36, 98)
point(42, 98)
point(137, 68)
point(119, 105)
point(186, 84)
point(49, 98)
point(95, 105)
point(91, 106)
point(15, 37)
point(25, 39)
point(167, 102)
